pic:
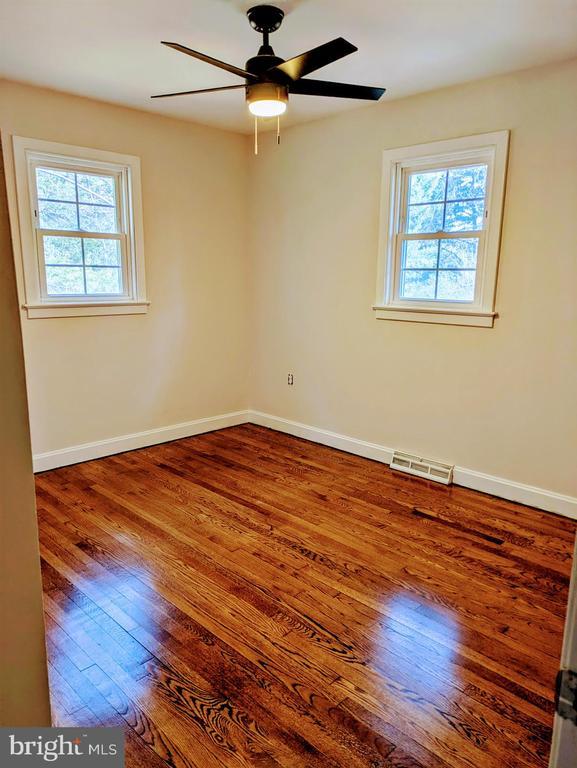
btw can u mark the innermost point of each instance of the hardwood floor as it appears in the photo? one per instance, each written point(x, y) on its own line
point(245, 598)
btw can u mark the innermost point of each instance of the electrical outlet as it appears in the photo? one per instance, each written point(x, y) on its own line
point(290, 380)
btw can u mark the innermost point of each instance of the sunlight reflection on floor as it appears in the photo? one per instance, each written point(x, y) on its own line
point(417, 645)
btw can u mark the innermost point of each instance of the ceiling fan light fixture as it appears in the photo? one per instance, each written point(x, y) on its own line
point(267, 108)
point(267, 99)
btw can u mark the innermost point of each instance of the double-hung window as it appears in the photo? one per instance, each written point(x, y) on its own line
point(80, 230)
point(440, 229)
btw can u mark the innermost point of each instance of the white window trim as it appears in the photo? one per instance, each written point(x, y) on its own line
point(29, 152)
point(487, 147)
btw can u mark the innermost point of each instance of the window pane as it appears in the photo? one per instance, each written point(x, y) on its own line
point(456, 285)
point(62, 250)
point(95, 218)
point(464, 216)
point(427, 187)
point(460, 253)
point(467, 182)
point(420, 253)
point(105, 253)
point(55, 184)
point(103, 280)
point(425, 218)
point(57, 215)
point(418, 284)
point(64, 280)
point(96, 189)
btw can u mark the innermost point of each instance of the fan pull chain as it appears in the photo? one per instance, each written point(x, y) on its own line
point(256, 135)
point(278, 120)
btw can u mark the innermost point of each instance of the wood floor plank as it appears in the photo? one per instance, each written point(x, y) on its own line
point(246, 598)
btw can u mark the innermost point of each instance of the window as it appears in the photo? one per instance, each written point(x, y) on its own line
point(440, 230)
point(80, 230)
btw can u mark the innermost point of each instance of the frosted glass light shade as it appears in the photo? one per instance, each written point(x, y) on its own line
point(267, 99)
point(267, 107)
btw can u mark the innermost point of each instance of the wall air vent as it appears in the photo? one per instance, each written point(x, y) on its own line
point(427, 468)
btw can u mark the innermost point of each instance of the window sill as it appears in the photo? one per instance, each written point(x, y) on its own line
point(83, 309)
point(431, 315)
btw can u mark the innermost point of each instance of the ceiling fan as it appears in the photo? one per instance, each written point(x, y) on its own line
point(269, 79)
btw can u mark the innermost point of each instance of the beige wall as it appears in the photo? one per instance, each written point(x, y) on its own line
point(501, 401)
point(93, 378)
point(23, 680)
point(270, 262)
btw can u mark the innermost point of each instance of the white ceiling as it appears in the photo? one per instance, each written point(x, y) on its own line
point(109, 49)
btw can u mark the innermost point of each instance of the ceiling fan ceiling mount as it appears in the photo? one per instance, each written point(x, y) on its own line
point(265, 18)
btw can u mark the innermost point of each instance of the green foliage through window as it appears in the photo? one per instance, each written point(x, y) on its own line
point(78, 265)
point(442, 202)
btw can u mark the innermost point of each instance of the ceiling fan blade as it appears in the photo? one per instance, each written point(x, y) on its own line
point(200, 90)
point(210, 60)
point(336, 90)
point(299, 66)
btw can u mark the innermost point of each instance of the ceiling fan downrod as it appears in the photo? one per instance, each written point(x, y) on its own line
point(265, 19)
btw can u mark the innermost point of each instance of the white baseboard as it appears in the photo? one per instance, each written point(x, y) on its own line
point(550, 501)
point(478, 481)
point(324, 436)
point(88, 451)
point(530, 495)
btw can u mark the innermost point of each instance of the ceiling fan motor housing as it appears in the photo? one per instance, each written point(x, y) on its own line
point(258, 65)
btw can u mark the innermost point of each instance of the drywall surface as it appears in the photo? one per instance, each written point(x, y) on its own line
point(95, 378)
point(269, 263)
point(501, 401)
